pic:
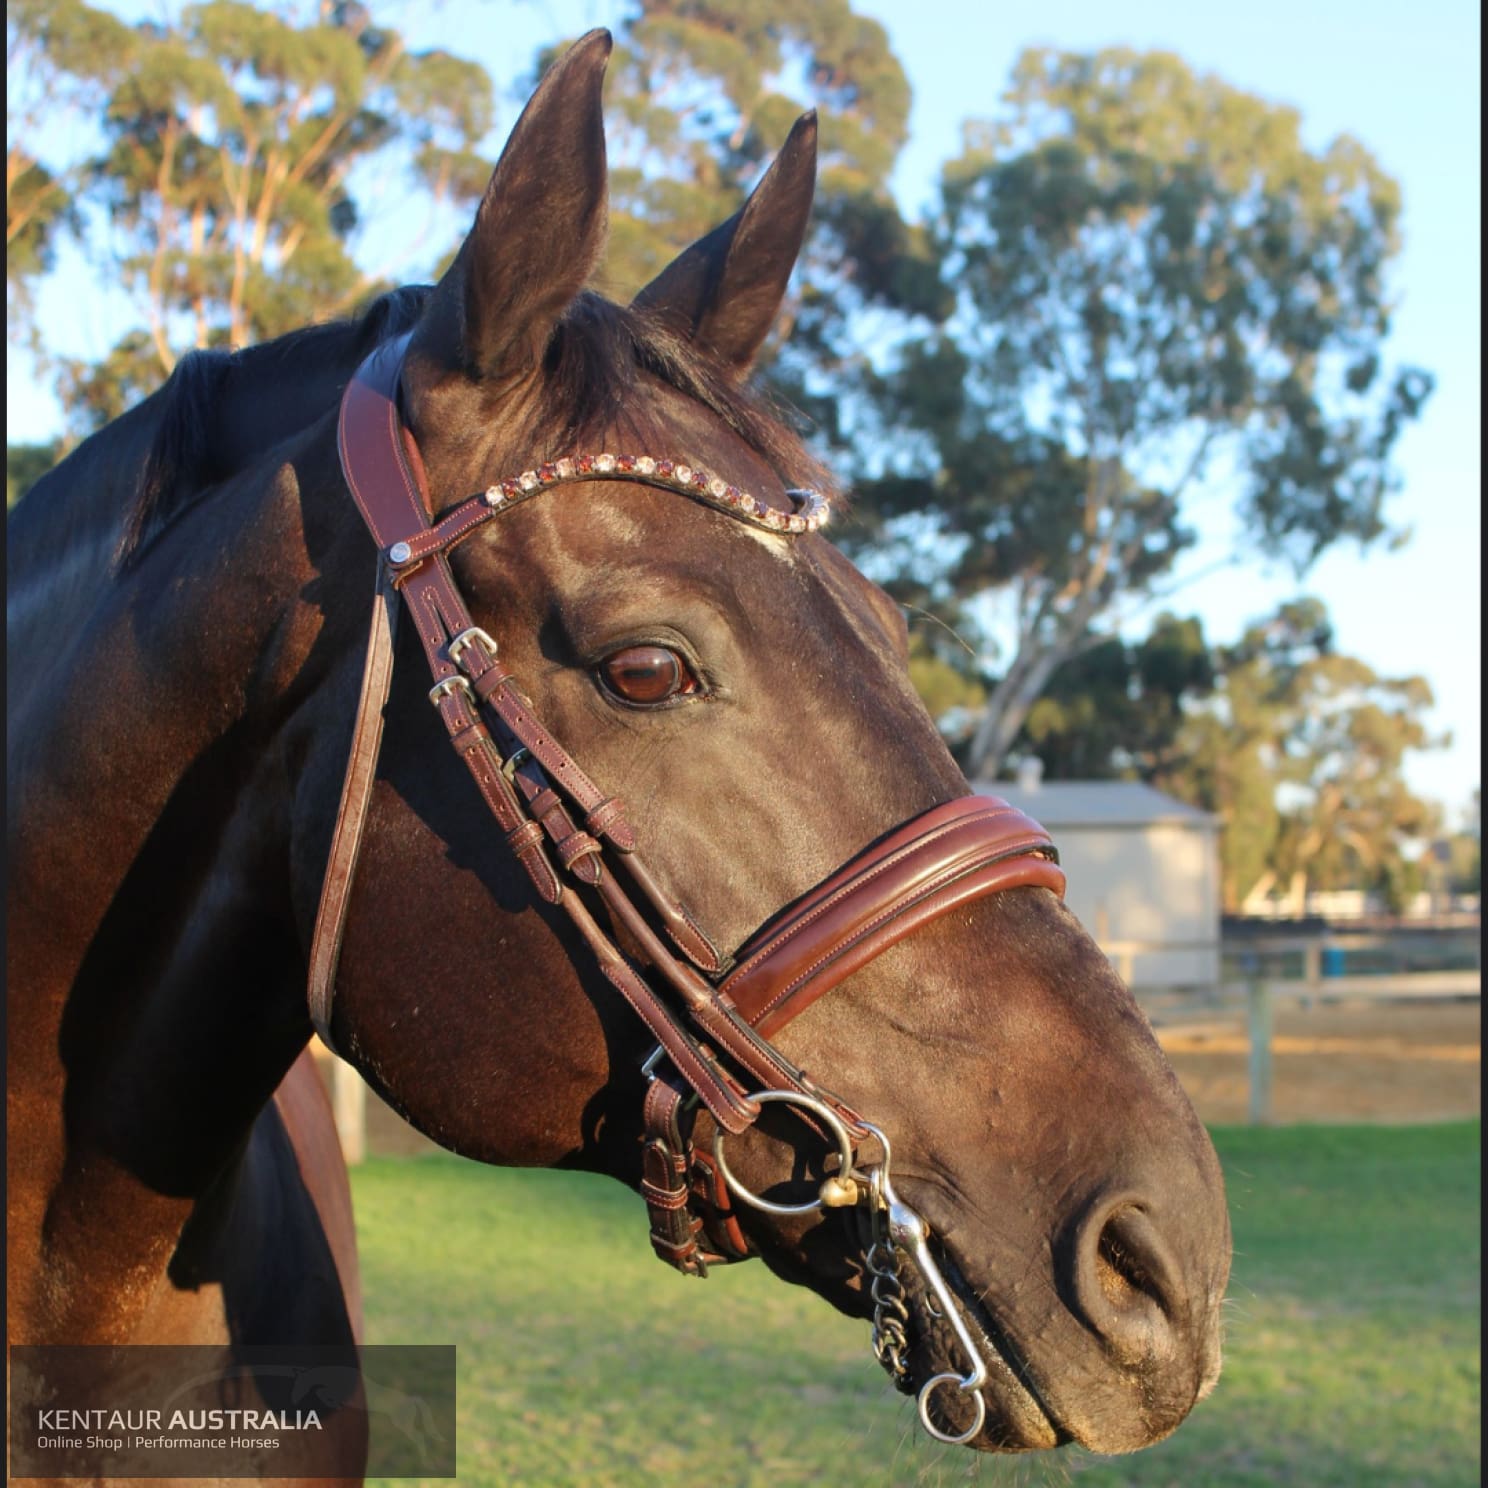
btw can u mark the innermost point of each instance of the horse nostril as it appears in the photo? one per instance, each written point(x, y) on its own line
point(1119, 1268)
point(1125, 1282)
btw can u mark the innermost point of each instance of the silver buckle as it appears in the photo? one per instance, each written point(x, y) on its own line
point(440, 690)
point(461, 641)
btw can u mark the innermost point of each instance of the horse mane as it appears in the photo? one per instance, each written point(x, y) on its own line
point(594, 364)
point(191, 452)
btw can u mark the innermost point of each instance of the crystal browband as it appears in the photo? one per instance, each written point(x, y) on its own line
point(812, 508)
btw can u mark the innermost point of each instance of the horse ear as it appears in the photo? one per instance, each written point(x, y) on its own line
point(725, 291)
point(538, 233)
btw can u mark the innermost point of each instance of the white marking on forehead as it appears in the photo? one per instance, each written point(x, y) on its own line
point(783, 548)
point(618, 523)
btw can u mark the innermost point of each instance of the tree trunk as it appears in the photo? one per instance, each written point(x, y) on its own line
point(1254, 900)
point(1008, 706)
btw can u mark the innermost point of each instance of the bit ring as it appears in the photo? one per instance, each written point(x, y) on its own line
point(822, 1112)
point(979, 1417)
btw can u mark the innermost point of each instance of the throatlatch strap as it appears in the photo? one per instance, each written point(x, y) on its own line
point(351, 815)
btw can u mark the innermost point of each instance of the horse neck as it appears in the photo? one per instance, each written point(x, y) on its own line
point(155, 962)
point(60, 543)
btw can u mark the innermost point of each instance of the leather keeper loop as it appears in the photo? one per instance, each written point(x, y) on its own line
point(674, 1251)
point(611, 813)
point(487, 681)
point(545, 803)
point(470, 737)
point(575, 846)
point(524, 838)
point(664, 1198)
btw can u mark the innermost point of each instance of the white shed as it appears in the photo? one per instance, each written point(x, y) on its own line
point(1143, 872)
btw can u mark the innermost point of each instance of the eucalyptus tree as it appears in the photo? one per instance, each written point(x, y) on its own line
point(1119, 709)
point(1155, 279)
point(61, 57)
point(1301, 751)
point(233, 144)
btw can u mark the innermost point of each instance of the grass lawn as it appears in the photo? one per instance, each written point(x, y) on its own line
point(1352, 1343)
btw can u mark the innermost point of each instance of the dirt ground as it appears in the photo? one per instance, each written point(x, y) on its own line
point(1337, 1062)
point(1334, 1062)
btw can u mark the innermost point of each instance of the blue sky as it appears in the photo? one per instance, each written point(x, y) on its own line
point(1404, 79)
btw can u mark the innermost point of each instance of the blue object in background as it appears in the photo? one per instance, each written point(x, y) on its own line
point(1332, 961)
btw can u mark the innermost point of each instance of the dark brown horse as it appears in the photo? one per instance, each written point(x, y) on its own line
point(188, 629)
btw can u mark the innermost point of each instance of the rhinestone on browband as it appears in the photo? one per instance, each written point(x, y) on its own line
point(812, 508)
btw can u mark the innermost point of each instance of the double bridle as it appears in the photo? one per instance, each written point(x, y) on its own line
point(711, 1015)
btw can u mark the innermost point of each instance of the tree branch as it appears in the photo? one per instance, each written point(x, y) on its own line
point(156, 296)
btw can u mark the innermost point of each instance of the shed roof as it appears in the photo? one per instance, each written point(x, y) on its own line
point(1095, 803)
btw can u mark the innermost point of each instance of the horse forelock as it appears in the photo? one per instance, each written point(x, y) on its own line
point(596, 365)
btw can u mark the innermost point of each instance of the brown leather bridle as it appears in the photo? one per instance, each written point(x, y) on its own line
point(711, 1017)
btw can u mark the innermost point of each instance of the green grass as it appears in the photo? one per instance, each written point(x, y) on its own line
point(1352, 1340)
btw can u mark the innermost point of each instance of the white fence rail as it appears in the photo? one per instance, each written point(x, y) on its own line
point(1258, 995)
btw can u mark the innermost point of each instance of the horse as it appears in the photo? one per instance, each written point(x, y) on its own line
point(698, 899)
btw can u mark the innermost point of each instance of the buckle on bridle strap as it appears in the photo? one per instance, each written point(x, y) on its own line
point(514, 761)
point(470, 634)
point(442, 689)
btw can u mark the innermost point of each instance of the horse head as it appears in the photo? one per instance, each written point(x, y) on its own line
point(729, 675)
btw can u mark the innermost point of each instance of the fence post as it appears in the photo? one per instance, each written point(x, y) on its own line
point(349, 1100)
point(1312, 963)
point(1260, 1011)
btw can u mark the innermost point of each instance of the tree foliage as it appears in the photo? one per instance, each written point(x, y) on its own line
point(1153, 277)
point(234, 145)
point(1119, 710)
point(61, 56)
point(1301, 752)
point(226, 168)
point(25, 464)
point(1465, 851)
point(701, 93)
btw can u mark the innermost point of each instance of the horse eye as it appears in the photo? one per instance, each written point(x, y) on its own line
point(647, 675)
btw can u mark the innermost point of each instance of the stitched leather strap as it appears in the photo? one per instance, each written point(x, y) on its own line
point(351, 815)
point(390, 493)
point(950, 855)
point(668, 1175)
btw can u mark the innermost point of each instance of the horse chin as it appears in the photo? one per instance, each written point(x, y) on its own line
point(1021, 1414)
point(1017, 1419)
